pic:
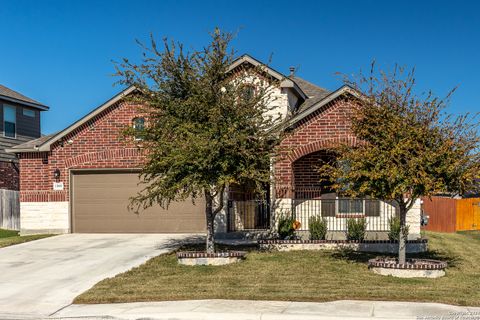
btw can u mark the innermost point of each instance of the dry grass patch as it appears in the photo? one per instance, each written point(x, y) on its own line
point(300, 276)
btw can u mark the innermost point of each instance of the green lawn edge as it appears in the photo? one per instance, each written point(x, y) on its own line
point(12, 237)
point(316, 276)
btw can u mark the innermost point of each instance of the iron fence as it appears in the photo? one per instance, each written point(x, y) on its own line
point(245, 212)
point(336, 212)
point(248, 215)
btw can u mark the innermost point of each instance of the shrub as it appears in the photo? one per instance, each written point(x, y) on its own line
point(285, 227)
point(394, 233)
point(356, 229)
point(318, 228)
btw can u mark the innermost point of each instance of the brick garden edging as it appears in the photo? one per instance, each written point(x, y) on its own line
point(381, 246)
point(413, 268)
point(196, 258)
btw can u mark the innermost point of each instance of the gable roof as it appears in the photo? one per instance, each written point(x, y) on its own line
point(44, 143)
point(14, 96)
point(320, 103)
point(285, 82)
point(31, 145)
point(314, 98)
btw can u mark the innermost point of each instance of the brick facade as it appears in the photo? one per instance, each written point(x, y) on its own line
point(324, 129)
point(96, 144)
point(9, 178)
point(305, 170)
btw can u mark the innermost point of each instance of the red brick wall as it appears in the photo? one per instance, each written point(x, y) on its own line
point(326, 128)
point(305, 170)
point(96, 144)
point(8, 176)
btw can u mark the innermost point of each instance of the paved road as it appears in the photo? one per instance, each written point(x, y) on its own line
point(267, 310)
point(40, 277)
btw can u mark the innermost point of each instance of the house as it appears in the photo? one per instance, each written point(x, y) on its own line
point(80, 179)
point(19, 123)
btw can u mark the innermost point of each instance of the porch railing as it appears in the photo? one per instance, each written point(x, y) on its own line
point(336, 212)
point(245, 212)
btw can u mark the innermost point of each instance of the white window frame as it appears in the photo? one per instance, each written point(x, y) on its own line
point(5, 107)
point(29, 112)
point(137, 138)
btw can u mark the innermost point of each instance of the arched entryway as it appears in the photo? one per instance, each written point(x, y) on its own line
point(307, 181)
point(313, 196)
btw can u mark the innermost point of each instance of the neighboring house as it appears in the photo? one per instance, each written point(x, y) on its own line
point(80, 179)
point(19, 122)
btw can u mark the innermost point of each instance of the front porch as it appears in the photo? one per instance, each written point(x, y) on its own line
point(306, 197)
point(257, 215)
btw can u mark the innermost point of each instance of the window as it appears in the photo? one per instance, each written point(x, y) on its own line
point(9, 121)
point(139, 126)
point(247, 92)
point(29, 112)
point(358, 207)
point(350, 206)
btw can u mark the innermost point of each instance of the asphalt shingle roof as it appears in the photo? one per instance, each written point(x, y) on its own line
point(9, 93)
point(33, 143)
point(314, 93)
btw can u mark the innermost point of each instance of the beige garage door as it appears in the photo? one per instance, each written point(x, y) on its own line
point(100, 200)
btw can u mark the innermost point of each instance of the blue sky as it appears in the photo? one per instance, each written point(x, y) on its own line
point(61, 52)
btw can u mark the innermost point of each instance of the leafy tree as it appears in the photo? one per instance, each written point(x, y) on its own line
point(409, 147)
point(206, 126)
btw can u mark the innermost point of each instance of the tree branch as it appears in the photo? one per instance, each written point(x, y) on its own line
point(220, 206)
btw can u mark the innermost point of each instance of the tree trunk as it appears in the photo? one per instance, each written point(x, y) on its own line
point(402, 243)
point(209, 218)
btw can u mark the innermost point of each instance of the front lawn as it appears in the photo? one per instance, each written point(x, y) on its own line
point(300, 276)
point(10, 237)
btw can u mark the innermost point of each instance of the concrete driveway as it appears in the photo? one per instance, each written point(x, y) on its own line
point(40, 277)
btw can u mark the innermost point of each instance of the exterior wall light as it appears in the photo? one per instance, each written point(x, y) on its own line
point(56, 174)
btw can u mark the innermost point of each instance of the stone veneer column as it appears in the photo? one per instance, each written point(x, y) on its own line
point(413, 220)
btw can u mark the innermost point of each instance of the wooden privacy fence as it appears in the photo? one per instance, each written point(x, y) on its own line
point(451, 215)
point(9, 209)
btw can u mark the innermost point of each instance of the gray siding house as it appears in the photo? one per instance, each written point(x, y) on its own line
point(19, 123)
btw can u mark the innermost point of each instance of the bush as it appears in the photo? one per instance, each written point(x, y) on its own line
point(285, 227)
point(318, 228)
point(394, 233)
point(356, 229)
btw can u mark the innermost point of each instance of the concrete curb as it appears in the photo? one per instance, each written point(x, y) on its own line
point(265, 310)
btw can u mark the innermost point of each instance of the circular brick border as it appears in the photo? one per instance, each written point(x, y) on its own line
point(418, 264)
point(413, 268)
point(197, 258)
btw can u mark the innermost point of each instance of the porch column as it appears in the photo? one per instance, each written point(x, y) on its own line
point(220, 223)
point(413, 220)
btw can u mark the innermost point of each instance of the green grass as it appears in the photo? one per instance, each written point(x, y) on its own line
point(300, 276)
point(10, 237)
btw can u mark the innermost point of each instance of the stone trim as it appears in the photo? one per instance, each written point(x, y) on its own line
point(203, 254)
point(416, 264)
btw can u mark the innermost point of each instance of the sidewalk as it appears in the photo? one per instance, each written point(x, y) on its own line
point(267, 310)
